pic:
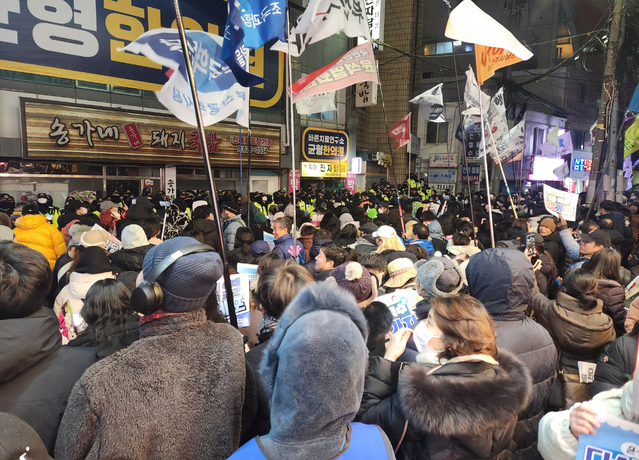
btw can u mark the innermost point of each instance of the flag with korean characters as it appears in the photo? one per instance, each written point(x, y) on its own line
point(401, 132)
point(219, 92)
point(354, 66)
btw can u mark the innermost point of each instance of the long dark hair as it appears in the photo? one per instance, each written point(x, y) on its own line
point(107, 305)
point(582, 286)
point(604, 264)
point(244, 239)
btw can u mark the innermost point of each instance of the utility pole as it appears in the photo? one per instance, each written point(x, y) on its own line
point(606, 91)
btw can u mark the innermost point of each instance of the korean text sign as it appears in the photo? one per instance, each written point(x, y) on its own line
point(560, 202)
point(325, 145)
point(616, 439)
point(82, 40)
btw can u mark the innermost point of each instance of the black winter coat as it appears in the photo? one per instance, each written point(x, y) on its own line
point(130, 259)
point(616, 365)
point(447, 412)
point(613, 296)
point(117, 338)
point(37, 373)
point(208, 229)
point(502, 279)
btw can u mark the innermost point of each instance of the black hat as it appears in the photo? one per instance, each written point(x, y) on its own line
point(31, 208)
point(93, 260)
point(599, 237)
point(368, 229)
point(74, 205)
point(231, 206)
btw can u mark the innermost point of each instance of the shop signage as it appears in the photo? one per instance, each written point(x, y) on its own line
point(446, 160)
point(324, 145)
point(443, 187)
point(82, 40)
point(57, 131)
point(375, 13)
point(474, 173)
point(442, 176)
point(293, 184)
point(351, 180)
point(324, 169)
point(366, 94)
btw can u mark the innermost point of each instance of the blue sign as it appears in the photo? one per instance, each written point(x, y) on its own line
point(82, 40)
point(325, 145)
point(474, 173)
point(616, 439)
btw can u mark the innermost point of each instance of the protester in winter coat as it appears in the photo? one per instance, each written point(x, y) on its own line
point(604, 265)
point(437, 239)
point(177, 392)
point(93, 266)
point(379, 320)
point(282, 228)
point(317, 355)
point(232, 222)
point(242, 251)
point(330, 256)
point(502, 279)
point(616, 365)
point(35, 231)
point(307, 230)
point(134, 248)
point(111, 324)
point(366, 242)
point(436, 408)
point(203, 222)
point(36, 372)
point(578, 327)
point(141, 210)
point(559, 431)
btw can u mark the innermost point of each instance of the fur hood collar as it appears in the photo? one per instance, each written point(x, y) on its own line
point(458, 399)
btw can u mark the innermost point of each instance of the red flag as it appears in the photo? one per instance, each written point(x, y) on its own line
point(401, 132)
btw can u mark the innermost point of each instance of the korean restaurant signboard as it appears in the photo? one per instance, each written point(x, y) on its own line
point(315, 169)
point(59, 131)
point(83, 40)
point(325, 145)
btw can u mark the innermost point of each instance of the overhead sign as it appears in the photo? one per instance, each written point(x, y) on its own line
point(473, 176)
point(375, 10)
point(82, 40)
point(57, 131)
point(451, 188)
point(325, 145)
point(443, 160)
point(366, 94)
point(442, 176)
point(324, 169)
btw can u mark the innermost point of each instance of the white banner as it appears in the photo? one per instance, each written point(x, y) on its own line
point(548, 150)
point(560, 202)
point(471, 99)
point(431, 104)
point(322, 102)
point(442, 176)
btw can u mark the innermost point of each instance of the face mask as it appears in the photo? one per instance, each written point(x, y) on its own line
point(422, 336)
point(42, 200)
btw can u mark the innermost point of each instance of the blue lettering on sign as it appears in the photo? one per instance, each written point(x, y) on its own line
point(597, 453)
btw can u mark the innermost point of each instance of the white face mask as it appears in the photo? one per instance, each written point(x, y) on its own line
point(422, 336)
point(42, 200)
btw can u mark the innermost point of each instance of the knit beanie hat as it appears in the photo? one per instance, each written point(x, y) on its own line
point(317, 355)
point(548, 222)
point(19, 441)
point(435, 230)
point(355, 279)
point(93, 261)
point(133, 236)
point(439, 276)
point(189, 281)
point(259, 248)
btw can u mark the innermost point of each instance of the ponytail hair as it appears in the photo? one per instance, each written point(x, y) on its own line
point(244, 239)
point(582, 286)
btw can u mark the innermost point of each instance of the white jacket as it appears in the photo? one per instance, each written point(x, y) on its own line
point(556, 441)
point(70, 300)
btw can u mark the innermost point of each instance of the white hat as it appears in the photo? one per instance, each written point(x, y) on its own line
point(385, 231)
point(133, 236)
point(198, 203)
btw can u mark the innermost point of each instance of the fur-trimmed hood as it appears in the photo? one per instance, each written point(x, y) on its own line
point(464, 399)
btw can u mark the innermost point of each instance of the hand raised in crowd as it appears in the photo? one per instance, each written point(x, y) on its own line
point(397, 344)
point(561, 222)
point(582, 421)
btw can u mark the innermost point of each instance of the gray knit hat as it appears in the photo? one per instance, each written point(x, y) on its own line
point(190, 280)
point(317, 355)
point(438, 276)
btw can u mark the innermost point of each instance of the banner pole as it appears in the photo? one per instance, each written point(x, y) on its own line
point(248, 179)
point(207, 163)
point(483, 144)
point(503, 175)
point(241, 181)
point(290, 97)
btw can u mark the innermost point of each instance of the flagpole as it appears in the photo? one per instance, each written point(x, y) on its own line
point(290, 97)
point(502, 173)
point(483, 144)
point(248, 179)
point(241, 181)
point(207, 163)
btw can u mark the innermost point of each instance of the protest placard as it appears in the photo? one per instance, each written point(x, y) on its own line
point(616, 439)
point(560, 202)
point(401, 304)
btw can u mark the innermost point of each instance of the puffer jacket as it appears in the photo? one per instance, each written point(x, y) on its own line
point(36, 232)
point(446, 411)
point(580, 330)
point(502, 279)
point(613, 295)
point(130, 259)
point(284, 247)
point(208, 230)
point(615, 365)
point(37, 373)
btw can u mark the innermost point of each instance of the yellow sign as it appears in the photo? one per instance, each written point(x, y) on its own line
point(488, 59)
point(324, 169)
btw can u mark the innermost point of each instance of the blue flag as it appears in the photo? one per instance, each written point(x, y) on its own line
point(250, 24)
point(634, 102)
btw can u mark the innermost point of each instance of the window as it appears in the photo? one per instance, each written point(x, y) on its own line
point(433, 49)
point(579, 139)
point(436, 133)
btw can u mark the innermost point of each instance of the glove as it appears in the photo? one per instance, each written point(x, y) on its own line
point(561, 223)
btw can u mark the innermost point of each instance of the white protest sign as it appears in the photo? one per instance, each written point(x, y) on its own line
point(401, 304)
point(560, 202)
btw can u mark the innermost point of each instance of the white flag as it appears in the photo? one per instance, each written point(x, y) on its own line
point(468, 23)
point(514, 149)
point(323, 102)
point(562, 171)
point(548, 150)
point(496, 129)
point(431, 104)
point(553, 136)
point(471, 99)
point(323, 18)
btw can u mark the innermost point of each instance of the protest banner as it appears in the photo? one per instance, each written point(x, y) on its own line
point(616, 439)
point(401, 304)
point(560, 202)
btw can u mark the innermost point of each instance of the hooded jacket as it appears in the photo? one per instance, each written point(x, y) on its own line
point(37, 373)
point(461, 410)
point(365, 245)
point(177, 392)
point(615, 365)
point(130, 259)
point(613, 296)
point(502, 279)
point(35, 231)
point(142, 209)
point(284, 247)
point(208, 230)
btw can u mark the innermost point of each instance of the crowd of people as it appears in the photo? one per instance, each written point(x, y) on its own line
point(383, 324)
